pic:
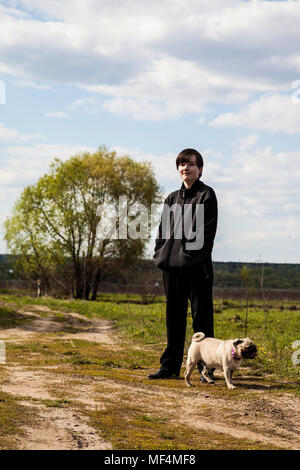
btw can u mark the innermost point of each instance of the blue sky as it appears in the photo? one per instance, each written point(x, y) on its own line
point(151, 78)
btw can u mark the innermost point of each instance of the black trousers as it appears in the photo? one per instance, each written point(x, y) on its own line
point(180, 285)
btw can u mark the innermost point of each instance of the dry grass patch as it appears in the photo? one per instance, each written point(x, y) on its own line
point(13, 418)
point(132, 427)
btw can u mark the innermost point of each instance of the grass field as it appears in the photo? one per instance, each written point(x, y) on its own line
point(140, 340)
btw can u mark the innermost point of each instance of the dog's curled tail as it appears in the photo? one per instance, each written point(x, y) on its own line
point(198, 337)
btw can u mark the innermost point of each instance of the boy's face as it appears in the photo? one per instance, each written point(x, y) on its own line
point(189, 171)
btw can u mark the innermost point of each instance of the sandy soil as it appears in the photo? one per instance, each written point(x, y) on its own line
point(265, 418)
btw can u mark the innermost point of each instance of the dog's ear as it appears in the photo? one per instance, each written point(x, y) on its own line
point(237, 341)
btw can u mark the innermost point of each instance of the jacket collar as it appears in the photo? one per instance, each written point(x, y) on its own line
point(184, 192)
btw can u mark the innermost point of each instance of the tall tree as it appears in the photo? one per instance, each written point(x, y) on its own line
point(56, 221)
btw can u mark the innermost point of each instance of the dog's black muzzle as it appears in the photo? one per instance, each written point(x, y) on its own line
point(250, 352)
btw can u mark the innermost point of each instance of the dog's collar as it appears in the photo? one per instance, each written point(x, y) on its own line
point(233, 355)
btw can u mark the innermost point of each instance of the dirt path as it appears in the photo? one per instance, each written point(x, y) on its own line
point(55, 428)
point(265, 418)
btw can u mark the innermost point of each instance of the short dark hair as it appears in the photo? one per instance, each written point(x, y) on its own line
point(185, 155)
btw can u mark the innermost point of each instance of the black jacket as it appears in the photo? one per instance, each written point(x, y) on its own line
point(170, 253)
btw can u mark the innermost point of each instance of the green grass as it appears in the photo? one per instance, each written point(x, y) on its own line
point(9, 318)
point(56, 403)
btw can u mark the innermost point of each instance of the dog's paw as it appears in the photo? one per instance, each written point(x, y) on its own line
point(207, 379)
point(231, 386)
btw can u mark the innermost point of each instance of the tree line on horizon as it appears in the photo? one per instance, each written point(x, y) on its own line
point(226, 273)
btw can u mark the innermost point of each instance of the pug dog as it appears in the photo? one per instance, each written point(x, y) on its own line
point(217, 354)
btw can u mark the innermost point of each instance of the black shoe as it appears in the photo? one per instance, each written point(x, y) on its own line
point(163, 374)
point(210, 375)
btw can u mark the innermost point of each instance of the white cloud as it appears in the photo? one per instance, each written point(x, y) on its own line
point(272, 113)
point(201, 120)
point(30, 84)
point(259, 207)
point(89, 105)
point(163, 164)
point(148, 57)
point(247, 142)
point(45, 151)
point(170, 88)
point(23, 165)
point(57, 114)
point(8, 134)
